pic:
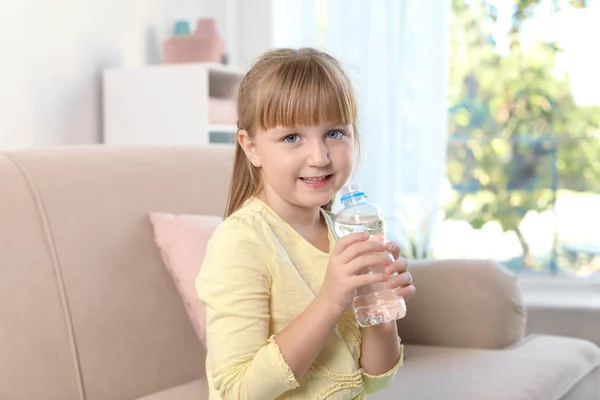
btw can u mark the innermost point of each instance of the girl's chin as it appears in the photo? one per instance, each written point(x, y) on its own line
point(315, 200)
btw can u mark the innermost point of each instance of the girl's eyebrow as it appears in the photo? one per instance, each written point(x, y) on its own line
point(284, 129)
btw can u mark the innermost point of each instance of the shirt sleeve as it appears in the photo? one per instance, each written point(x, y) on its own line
point(375, 383)
point(234, 283)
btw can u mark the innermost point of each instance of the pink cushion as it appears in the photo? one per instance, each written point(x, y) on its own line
point(182, 242)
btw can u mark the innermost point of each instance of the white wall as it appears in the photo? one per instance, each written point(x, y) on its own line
point(254, 21)
point(52, 53)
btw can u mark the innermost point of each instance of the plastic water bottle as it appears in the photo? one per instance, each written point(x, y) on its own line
point(376, 303)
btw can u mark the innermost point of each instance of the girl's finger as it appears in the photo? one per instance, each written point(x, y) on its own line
point(369, 260)
point(399, 266)
point(349, 240)
point(358, 248)
point(394, 249)
point(399, 281)
point(406, 292)
point(367, 279)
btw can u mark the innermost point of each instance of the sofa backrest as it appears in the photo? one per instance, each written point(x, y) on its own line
point(87, 306)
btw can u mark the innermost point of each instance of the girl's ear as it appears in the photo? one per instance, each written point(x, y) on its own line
point(249, 147)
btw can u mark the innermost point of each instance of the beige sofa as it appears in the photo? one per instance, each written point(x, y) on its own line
point(87, 310)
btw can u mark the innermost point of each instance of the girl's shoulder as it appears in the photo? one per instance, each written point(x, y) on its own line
point(237, 248)
point(247, 224)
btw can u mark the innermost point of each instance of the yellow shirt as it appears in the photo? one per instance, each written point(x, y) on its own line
point(258, 275)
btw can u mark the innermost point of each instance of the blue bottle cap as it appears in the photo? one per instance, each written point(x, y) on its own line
point(351, 190)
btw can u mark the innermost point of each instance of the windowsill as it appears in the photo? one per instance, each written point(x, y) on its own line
point(560, 293)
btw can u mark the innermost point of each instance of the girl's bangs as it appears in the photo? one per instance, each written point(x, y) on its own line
point(306, 94)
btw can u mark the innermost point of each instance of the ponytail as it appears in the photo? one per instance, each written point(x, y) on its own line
point(245, 182)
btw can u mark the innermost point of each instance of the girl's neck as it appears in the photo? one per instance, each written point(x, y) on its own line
point(295, 216)
point(307, 222)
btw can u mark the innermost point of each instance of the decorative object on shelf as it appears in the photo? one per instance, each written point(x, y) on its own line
point(206, 29)
point(182, 47)
point(203, 45)
point(182, 28)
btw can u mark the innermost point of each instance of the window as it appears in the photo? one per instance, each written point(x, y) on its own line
point(523, 166)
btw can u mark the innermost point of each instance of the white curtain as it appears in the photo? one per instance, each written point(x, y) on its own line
point(395, 52)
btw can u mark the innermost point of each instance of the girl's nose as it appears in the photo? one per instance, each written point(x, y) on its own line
point(319, 155)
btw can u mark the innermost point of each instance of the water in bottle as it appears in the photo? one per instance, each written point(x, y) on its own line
point(376, 303)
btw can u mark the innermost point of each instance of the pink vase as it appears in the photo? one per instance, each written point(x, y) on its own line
point(204, 45)
point(206, 29)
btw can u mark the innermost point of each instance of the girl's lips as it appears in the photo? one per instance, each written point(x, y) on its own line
point(317, 182)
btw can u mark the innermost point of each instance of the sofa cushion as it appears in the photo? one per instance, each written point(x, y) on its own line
point(196, 390)
point(182, 241)
point(538, 368)
point(455, 294)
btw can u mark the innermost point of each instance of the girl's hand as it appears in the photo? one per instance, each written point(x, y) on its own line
point(402, 283)
point(349, 259)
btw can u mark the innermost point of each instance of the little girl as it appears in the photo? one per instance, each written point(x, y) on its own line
point(278, 288)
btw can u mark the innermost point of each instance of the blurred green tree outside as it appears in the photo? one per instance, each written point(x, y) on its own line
point(516, 135)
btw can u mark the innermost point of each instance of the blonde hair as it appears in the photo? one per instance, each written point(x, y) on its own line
point(287, 87)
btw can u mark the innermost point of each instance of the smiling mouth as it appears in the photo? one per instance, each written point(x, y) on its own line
point(316, 179)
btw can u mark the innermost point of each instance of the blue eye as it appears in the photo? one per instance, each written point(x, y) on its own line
point(335, 134)
point(291, 138)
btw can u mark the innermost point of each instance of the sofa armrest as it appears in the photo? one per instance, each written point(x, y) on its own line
point(463, 303)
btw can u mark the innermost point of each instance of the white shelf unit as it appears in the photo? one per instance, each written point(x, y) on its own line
point(166, 104)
